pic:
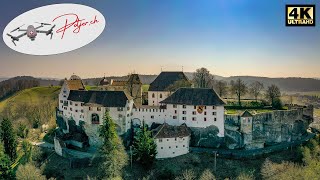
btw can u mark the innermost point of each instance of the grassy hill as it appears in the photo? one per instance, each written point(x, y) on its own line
point(32, 96)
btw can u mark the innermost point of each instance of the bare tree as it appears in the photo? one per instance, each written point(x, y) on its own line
point(221, 87)
point(273, 95)
point(178, 84)
point(239, 88)
point(202, 78)
point(255, 89)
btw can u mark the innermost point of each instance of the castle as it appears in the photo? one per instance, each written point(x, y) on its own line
point(178, 117)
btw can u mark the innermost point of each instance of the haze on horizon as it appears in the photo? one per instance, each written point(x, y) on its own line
point(229, 38)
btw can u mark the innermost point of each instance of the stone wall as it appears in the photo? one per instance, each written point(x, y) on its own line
point(268, 128)
point(205, 137)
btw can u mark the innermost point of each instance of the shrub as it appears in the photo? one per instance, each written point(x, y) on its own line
point(29, 171)
point(187, 175)
point(207, 175)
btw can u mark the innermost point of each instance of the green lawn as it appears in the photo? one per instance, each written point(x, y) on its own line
point(145, 87)
point(236, 111)
point(91, 88)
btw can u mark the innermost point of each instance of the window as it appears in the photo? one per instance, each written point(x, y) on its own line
point(176, 146)
point(95, 119)
point(205, 113)
point(175, 139)
point(120, 115)
point(184, 112)
point(152, 117)
point(215, 119)
point(184, 146)
point(76, 110)
point(76, 104)
point(248, 120)
point(194, 107)
point(98, 108)
point(161, 147)
point(128, 108)
point(120, 109)
point(167, 139)
point(213, 107)
point(70, 109)
point(175, 111)
point(152, 95)
point(184, 118)
point(184, 106)
point(128, 115)
point(81, 110)
point(70, 102)
point(61, 101)
point(169, 147)
point(194, 119)
point(193, 113)
point(174, 117)
point(214, 113)
point(82, 104)
point(160, 95)
point(205, 107)
point(90, 108)
point(205, 119)
point(172, 152)
point(174, 106)
point(160, 140)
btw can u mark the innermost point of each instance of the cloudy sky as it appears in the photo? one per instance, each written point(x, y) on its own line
point(229, 37)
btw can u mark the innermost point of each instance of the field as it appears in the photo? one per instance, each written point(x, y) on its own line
point(32, 96)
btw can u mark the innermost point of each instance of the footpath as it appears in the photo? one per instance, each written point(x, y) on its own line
point(254, 153)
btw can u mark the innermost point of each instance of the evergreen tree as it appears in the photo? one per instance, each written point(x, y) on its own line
point(144, 147)
point(112, 150)
point(5, 170)
point(8, 138)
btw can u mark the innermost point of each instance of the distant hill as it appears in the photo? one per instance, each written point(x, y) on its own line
point(293, 84)
point(32, 96)
point(13, 85)
point(3, 78)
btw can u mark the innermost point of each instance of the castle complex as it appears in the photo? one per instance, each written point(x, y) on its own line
point(178, 117)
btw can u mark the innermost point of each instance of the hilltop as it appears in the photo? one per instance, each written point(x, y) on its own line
point(31, 96)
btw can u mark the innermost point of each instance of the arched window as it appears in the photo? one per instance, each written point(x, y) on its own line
point(95, 119)
point(152, 95)
point(160, 95)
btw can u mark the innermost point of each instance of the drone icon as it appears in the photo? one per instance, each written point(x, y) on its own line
point(31, 32)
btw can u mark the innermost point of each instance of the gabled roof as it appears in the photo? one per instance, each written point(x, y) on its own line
point(118, 82)
point(75, 84)
point(246, 114)
point(167, 131)
point(102, 98)
point(165, 79)
point(194, 96)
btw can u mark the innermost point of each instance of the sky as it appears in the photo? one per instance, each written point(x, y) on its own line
point(228, 37)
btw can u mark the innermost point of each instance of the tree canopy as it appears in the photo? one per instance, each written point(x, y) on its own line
point(144, 147)
point(8, 138)
point(113, 152)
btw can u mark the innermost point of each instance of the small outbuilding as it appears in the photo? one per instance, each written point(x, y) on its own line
point(172, 141)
